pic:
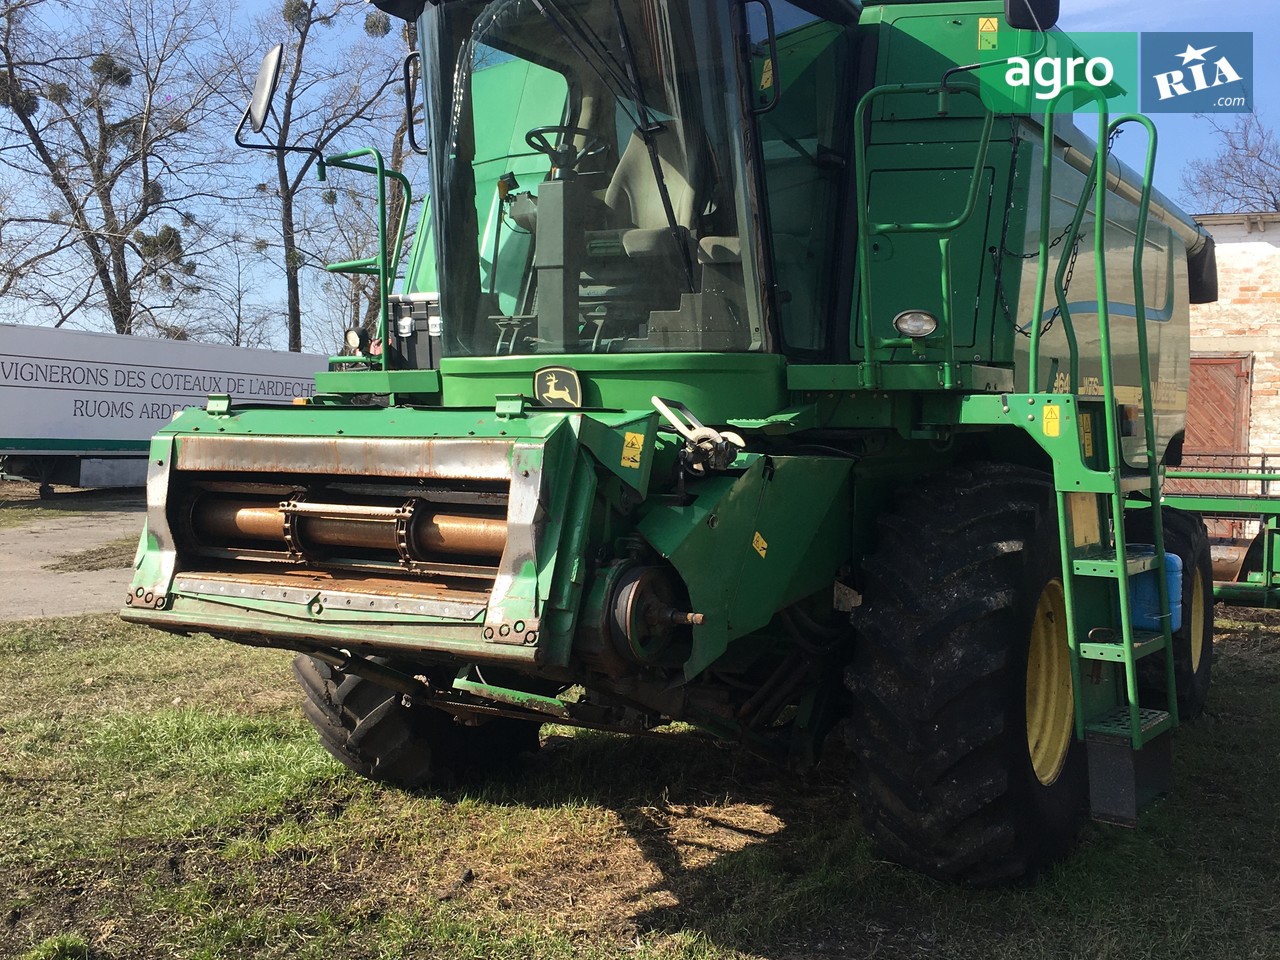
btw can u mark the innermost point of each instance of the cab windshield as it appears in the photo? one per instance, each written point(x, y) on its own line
point(588, 178)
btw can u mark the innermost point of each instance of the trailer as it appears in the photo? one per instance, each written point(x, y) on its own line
point(80, 409)
point(1238, 494)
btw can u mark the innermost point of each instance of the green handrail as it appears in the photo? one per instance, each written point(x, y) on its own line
point(1096, 186)
point(387, 261)
point(1144, 367)
point(867, 229)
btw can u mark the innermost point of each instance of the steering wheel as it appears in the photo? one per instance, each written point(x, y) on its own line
point(566, 156)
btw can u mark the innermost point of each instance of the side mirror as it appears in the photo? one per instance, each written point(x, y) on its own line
point(1031, 14)
point(264, 88)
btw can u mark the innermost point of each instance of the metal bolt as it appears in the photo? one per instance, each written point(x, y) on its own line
point(531, 637)
point(488, 633)
point(504, 630)
point(1031, 418)
point(519, 626)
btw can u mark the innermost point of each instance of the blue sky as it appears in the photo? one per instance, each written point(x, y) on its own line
point(1182, 137)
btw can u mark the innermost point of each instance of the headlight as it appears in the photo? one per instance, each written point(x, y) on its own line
point(915, 323)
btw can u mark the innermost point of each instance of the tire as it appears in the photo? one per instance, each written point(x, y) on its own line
point(960, 585)
point(1185, 535)
point(370, 730)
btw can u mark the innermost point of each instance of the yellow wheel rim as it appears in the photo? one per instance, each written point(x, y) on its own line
point(1197, 624)
point(1050, 705)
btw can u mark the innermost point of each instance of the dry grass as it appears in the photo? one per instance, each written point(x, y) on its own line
point(165, 800)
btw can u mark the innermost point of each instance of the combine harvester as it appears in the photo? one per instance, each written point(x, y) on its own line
point(760, 379)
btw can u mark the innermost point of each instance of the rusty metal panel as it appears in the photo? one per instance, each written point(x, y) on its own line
point(337, 595)
point(472, 458)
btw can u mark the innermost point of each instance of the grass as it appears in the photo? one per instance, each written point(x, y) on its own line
point(112, 555)
point(163, 798)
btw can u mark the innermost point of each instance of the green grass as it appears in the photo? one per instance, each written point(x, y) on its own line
point(163, 798)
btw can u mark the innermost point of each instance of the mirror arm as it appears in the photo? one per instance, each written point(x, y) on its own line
point(410, 126)
point(311, 151)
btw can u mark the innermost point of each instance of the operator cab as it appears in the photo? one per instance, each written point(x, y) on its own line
point(604, 174)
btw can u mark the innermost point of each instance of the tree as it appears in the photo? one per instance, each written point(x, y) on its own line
point(329, 90)
point(354, 229)
point(112, 148)
point(232, 307)
point(1244, 175)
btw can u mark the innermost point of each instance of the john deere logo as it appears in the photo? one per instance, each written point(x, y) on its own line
point(557, 387)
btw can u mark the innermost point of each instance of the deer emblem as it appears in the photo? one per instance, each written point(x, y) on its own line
point(552, 393)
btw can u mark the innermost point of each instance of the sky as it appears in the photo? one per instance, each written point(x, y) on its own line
point(1184, 138)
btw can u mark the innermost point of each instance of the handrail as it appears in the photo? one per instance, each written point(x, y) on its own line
point(867, 229)
point(387, 262)
point(1096, 186)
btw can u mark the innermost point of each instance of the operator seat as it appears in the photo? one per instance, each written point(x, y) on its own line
point(636, 201)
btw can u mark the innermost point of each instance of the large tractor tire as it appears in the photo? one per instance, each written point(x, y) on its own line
point(1185, 535)
point(370, 730)
point(962, 715)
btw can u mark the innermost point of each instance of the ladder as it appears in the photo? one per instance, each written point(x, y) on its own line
point(1127, 742)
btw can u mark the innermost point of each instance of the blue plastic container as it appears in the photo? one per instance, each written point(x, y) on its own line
point(1146, 592)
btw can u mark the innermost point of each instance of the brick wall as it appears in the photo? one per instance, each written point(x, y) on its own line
point(1246, 318)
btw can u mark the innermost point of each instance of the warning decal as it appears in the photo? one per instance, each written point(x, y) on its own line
point(632, 447)
point(759, 543)
point(1052, 421)
point(988, 33)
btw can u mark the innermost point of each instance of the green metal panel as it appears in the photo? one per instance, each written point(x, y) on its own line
point(750, 545)
point(719, 387)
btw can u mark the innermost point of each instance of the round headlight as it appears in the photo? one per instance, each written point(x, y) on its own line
point(915, 323)
point(353, 339)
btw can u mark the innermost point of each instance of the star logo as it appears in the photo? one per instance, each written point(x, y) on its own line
point(1191, 54)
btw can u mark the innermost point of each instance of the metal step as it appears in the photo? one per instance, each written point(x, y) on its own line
point(1107, 564)
point(1114, 727)
point(1123, 781)
point(1145, 643)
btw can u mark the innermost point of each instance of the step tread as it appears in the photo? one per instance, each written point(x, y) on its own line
point(1104, 563)
point(1114, 726)
point(1145, 643)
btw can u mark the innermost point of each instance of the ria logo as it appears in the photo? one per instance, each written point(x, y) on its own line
point(1197, 73)
point(1181, 83)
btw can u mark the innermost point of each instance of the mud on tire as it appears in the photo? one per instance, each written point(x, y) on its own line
point(938, 723)
point(370, 730)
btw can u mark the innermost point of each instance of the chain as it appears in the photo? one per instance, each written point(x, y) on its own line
point(998, 254)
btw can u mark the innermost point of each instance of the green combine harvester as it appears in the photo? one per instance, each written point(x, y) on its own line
point(747, 372)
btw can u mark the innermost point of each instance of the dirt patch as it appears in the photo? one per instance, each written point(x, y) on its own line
point(113, 555)
point(61, 556)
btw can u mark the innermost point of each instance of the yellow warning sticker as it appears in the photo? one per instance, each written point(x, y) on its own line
point(988, 33)
point(1086, 433)
point(766, 75)
point(758, 542)
point(632, 448)
point(1052, 421)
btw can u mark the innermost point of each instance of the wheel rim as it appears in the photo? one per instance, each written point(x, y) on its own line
point(1050, 704)
point(1197, 624)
